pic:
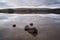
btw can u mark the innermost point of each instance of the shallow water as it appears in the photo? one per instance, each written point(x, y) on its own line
point(48, 26)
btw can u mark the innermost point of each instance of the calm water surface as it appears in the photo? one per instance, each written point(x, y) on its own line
point(48, 26)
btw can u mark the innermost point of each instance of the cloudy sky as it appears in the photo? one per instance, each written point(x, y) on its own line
point(32, 3)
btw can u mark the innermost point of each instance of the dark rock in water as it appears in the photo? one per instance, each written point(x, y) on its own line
point(31, 24)
point(26, 28)
point(14, 25)
point(33, 31)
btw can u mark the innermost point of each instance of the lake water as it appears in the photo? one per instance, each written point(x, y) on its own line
point(48, 26)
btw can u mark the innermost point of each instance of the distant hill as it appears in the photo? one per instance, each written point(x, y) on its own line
point(31, 10)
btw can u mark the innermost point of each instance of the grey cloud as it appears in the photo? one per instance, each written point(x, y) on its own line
point(18, 3)
point(37, 2)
